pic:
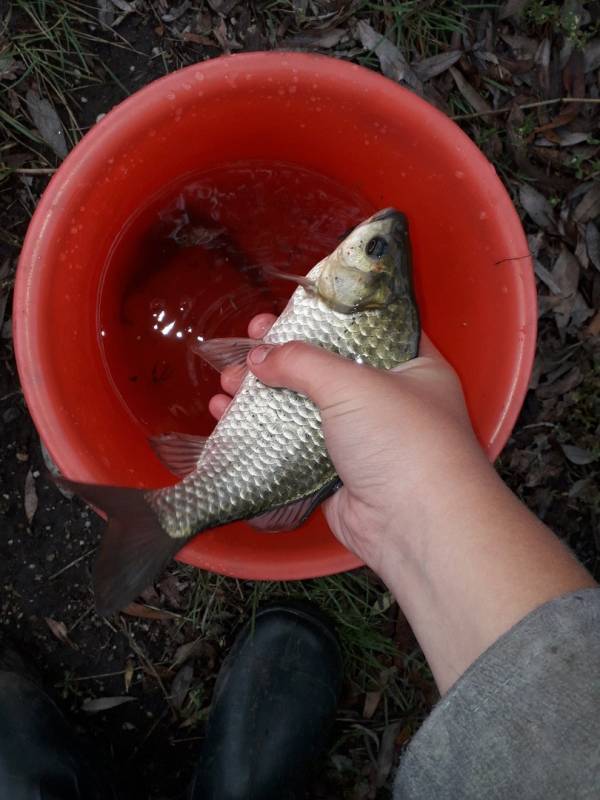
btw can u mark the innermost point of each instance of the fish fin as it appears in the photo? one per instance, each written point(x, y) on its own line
point(292, 515)
point(179, 452)
point(277, 274)
point(221, 353)
point(134, 548)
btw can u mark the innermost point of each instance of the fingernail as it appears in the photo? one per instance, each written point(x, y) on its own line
point(258, 355)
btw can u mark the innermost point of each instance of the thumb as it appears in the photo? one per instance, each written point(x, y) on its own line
point(321, 375)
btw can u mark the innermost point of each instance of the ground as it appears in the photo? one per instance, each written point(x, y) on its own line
point(139, 684)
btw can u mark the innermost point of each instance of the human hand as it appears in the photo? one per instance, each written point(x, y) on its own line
point(394, 437)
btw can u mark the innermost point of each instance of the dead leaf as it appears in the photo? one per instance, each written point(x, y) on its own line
point(200, 650)
point(430, 67)
point(223, 7)
point(181, 685)
point(592, 243)
point(574, 75)
point(546, 277)
point(138, 610)
point(30, 498)
point(512, 8)
point(197, 38)
point(48, 123)
point(577, 455)
point(537, 206)
point(566, 272)
point(593, 329)
point(10, 67)
point(589, 206)
point(129, 671)
point(59, 630)
point(522, 46)
point(387, 753)
point(591, 56)
point(392, 62)
point(470, 94)
point(176, 12)
point(372, 700)
point(98, 704)
point(323, 39)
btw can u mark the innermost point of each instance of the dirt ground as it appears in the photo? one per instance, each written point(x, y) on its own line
point(499, 69)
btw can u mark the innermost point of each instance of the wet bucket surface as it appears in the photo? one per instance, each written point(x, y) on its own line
point(336, 141)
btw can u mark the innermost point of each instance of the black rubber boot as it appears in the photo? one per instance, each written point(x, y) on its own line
point(273, 708)
point(40, 756)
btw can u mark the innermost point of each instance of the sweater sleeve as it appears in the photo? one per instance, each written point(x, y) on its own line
point(523, 721)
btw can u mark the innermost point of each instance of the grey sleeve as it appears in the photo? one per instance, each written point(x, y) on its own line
point(523, 722)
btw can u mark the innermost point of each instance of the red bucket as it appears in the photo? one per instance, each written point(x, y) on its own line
point(474, 279)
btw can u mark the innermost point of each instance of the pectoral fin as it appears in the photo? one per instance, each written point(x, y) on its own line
point(292, 515)
point(221, 353)
point(179, 452)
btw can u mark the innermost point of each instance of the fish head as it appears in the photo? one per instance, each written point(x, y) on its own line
point(371, 267)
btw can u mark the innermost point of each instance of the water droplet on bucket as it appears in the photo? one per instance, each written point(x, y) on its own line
point(459, 174)
point(198, 76)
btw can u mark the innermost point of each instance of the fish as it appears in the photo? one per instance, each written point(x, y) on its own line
point(266, 460)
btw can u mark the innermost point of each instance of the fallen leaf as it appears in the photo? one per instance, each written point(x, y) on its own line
point(392, 62)
point(387, 753)
point(372, 700)
point(59, 630)
point(181, 685)
point(98, 704)
point(591, 55)
point(197, 38)
point(537, 206)
point(48, 123)
point(124, 6)
point(574, 75)
point(592, 243)
point(324, 39)
point(566, 272)
point(546, 277)
point(223, 7)
point(430, 67)
point(128, 676)
point(138, 610)
point(470, 94)
point(31, 498)
point(176, 12)
point(512, 8)
point(194, 649)
point(522, 46)
point(577, 455)
point(593, 329)
point(589, 206)
point(10, 67)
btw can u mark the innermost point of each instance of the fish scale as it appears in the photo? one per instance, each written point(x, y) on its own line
point(268, 449)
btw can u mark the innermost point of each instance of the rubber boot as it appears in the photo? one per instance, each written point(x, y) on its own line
point(273, 708)
point(40, 756)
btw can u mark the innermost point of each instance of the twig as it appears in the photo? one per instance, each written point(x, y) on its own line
point(34, 171)
point(72, 564)
point(538, 104)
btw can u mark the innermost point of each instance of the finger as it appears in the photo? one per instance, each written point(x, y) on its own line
point(218, 405)
point(231, 377)
point(260, 324)
point(428, 349)
point(321, 375)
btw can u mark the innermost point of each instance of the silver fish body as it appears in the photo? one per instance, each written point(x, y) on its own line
point(268, 449)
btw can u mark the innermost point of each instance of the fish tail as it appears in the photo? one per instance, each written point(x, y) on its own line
point(134, 549)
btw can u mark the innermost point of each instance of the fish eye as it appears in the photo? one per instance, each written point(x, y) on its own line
point(376, 247)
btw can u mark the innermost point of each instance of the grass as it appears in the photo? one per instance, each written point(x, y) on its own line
point(359, 605)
